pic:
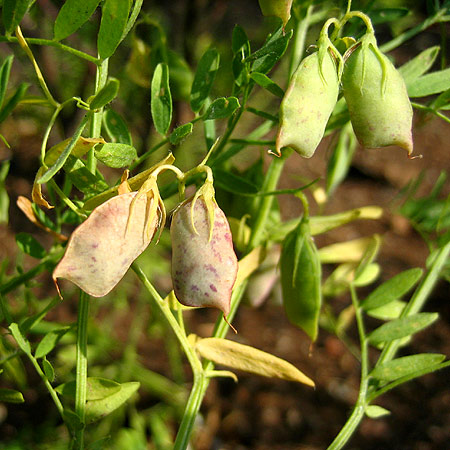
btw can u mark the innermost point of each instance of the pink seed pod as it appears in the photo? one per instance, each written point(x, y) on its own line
point(204, 265)
point(102, 248)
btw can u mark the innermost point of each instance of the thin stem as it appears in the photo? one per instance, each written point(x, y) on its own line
point(66, 199)
point(81, 375)
point(52, 43)
point(149, 152)
point(29, 53)
point(358, 411)
point(299, 40)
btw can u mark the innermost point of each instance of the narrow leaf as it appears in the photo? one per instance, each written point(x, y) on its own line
point(115, 155)
point(5, 70)
point(72, 15)
point(49, 342)
point(429, 84)
point(161, 99)
point(10, 396)
point(417, 66)
point(112, 26)
point(221, 108)
point(29, 245)
point(405, 366)
point(392, 289)
point(96, 409)
point(81, 147)
point(23, 344)
point(51, 172)
point(369, 255)
point(204, 78)
point(399, 328)
point(180, 133)
point(13, 12)
point(116, 128)
point(265, 82)
point(82, 178)
point(49, 371)
point(106, 94)
point(13, 101)
point(249, 359)
point(375, 411)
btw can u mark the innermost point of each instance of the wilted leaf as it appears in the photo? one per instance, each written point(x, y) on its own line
point(249, 359)
point(102, 248)
point(36, 192)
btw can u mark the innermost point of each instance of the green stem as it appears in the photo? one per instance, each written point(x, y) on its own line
point(358, 411)
point(145, 155)
point(52, 43)
point(81, 375)
point(419, 298)
point(299, 40)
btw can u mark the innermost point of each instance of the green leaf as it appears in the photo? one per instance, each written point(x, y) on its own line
point(375, 411)
point(204, 78)
point(97, 388)
point(5, 70)
point(442, 101)
point(370, 254)
point(4, 197)
point(265, 82)
point(116, 128)
point(112, 26)
point(81, 147)
point(234, 183)
point(96, 409)
point(106, 94)
point(389, 311)
point(23, 344)
point(161, 99)
point(272, 50)
point(405, 366)
point(49, 371)
point(51, 172)
point(429, 84)
point(392, 289)
point(115, 155)
point(83, 178)
point(29, 245)
point(13, 101)
point(221, 108)
point(241, 50)
point(417, 66)
point(72, 15)
point(49, 342)
point(180, 133)
point(249, 359)
point(11, 396)
point(399, 328)
point(13, 12)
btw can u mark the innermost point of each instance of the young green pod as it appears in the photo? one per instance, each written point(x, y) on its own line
point(308, 103)
point(277, 8)
point(301, 279)
point(376, 96)
point(204, 265)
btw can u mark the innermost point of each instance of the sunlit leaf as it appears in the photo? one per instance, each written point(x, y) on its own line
point(106, 94)
point(221, 108)
point(49, 341)
point(13, 12)
point(349, 251)
point(96, 388)
point(249, 359)
point(115, 155)
point(23, 344)
point(375, 411)
point(11, 396)
point(180, 133)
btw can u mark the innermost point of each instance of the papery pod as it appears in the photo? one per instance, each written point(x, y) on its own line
point(301, 275)
point(102, 248)
point(277, 8)
point(204, 265)
point(308, 103)
point(376, 96)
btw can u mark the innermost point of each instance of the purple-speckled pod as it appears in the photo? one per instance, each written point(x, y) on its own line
point(203, 270)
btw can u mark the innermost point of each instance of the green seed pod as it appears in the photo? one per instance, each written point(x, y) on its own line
point(301, 279)
point(308, 103)
point(204, 265)
point(277, 8)
point(377, 99)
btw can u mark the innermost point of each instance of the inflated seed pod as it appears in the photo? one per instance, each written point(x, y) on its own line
point(377, 99)
point(301, 279)
point(308, 103)
point(204, 265)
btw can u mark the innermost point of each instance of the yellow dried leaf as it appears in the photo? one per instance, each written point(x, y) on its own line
point(36, 193)
point(25, 206)
point(249, 359)
point(349, 251)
